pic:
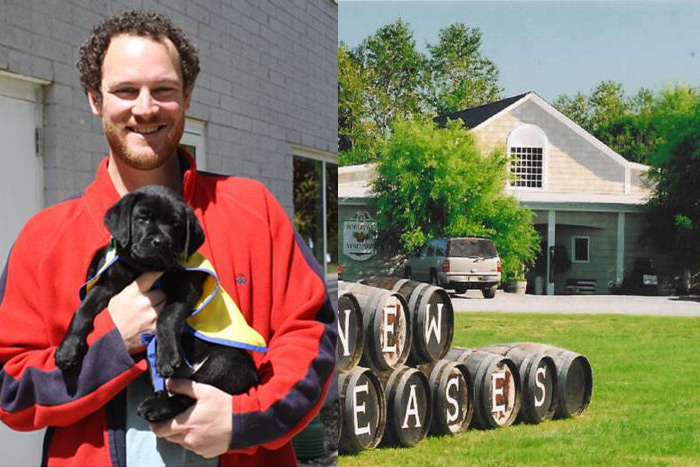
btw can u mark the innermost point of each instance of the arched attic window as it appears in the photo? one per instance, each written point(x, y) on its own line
point(527, 154)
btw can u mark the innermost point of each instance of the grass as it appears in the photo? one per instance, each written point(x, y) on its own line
point(645, 408)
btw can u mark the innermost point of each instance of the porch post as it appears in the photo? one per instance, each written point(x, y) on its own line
point(551, 232)
point(620, 264)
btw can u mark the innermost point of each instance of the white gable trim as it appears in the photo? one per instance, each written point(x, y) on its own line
point(579, 131)
point(595, 142)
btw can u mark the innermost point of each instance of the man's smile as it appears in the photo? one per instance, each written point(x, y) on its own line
point(145, 129)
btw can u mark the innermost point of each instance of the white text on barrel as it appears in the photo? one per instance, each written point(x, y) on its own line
point(434, 324)
point(388, 328)
point(360, 408)
point(451, 417)
point(412, 408)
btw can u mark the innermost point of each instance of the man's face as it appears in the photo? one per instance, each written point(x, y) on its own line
point(143, 100)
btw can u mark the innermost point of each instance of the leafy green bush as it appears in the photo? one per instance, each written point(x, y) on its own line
point(435, 182)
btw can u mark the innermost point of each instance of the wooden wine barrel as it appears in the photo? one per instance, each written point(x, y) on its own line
point(409, 406)
point(538, 375)
point(386, 326)
point(350, 333)
point(431, 316)
point(496, 386)
point(452, 392)
point(362, 410)
point(574, 378)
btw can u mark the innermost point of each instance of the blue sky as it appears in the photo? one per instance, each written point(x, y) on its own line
point(555, 47)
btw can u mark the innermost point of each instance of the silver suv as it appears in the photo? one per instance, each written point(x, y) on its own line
point(457, 263)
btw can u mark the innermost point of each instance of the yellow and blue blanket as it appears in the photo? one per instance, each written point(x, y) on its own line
point(215, 318)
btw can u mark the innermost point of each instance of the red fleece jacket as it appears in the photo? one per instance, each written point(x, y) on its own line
point(262, 264)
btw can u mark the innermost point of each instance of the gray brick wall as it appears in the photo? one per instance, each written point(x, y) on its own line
point(268, 82)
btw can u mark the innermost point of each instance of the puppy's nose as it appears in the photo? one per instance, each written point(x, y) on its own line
point(158, 242)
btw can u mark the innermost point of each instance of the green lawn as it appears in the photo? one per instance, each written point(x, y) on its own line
point(645, 408)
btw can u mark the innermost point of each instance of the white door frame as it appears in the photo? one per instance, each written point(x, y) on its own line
point(25, 448)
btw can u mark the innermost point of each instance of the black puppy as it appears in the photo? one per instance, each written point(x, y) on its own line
point(154, 229)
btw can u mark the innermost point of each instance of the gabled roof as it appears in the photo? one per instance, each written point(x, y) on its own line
point(477, 115)
point(355, 181)
point(483, 115)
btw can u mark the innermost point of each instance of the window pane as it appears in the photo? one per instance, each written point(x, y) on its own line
point(308, 204)
point(581, 249)
point(191, 149)
point(526, 166)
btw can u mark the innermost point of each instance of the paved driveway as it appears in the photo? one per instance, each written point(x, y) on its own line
point(595, 304)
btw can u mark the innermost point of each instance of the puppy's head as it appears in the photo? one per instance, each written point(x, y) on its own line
point(154, 228)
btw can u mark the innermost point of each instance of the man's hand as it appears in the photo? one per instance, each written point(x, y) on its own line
point(135, 310)
point(206, 427)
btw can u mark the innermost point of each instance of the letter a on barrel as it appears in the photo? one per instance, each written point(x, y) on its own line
point(409, 406)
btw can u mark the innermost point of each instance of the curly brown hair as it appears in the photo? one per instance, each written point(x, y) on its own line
point(139, 23)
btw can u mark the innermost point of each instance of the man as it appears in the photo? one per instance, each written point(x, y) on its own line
point(138, 71)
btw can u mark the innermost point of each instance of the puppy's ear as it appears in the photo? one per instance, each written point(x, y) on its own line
point(118, 219)
point(195, 235)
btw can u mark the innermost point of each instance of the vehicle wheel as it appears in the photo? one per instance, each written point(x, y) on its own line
point(433, 278)
point(489, 292)
point(407, 274)
point(461, 290)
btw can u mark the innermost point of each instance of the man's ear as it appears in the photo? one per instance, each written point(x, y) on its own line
point(195, 235)
point(118, 219)
point(95, 102)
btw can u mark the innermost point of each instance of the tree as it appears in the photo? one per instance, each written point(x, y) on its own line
point(607, 103)
point(460, 77)
point(631, 136)
point(395, 74)
point(576, 108)
point(675, 203)
point(387, 78)
point(354, 128)
point(626, 125)
point(434, 182)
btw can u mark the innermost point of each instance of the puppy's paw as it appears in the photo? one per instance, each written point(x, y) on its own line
point(160, 407)
point(155, 409)
point(167, 363)
point(70, 354)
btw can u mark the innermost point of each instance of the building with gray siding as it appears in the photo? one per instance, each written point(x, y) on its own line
point(264, 106)
point(267, 91)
